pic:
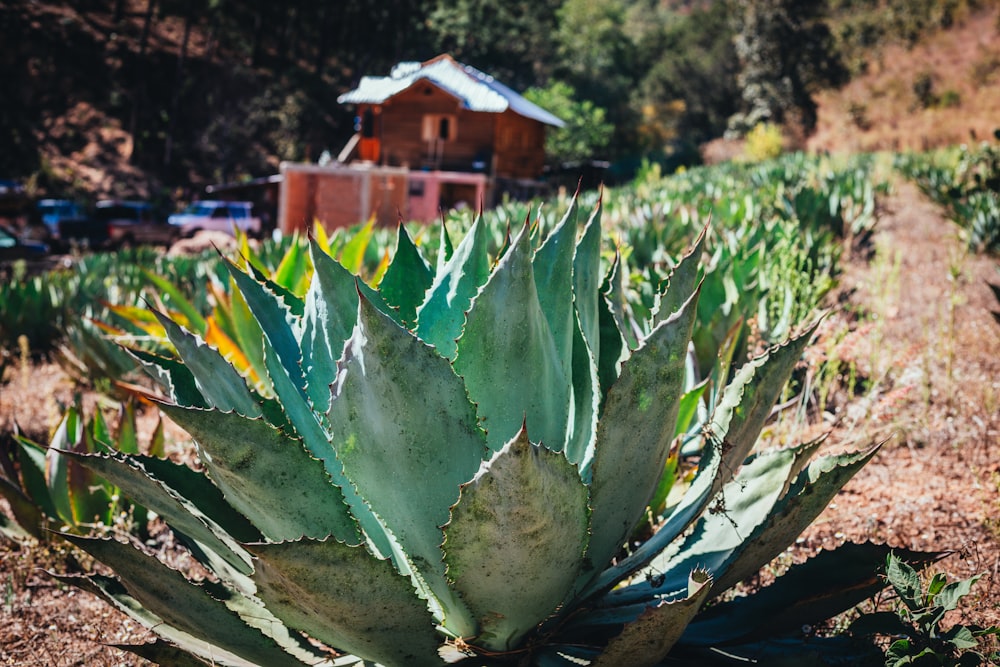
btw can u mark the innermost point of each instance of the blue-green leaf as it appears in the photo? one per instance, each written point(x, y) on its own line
point(441, 317)
point(516, 540)
point(509, 359)
point(399, 410)
point(347, 598)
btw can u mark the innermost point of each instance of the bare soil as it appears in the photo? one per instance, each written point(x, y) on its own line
point(919, 356)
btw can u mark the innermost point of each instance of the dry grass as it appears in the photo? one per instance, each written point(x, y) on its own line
point(881, 111)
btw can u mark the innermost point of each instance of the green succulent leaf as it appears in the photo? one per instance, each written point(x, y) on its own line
point(347, 598)
point(812, 491)
point(331, 311)
point(552, 268)
point(683, 280)
point(215, 378)
point(822, 587)
point(635, 432)
point(268, 476)
point(400, 410)
point(180, 507)
point(648, 639)
point(747, 401)
point(276, 321)
point(407, 279)
point(721, 533)
point(441, 316)
point(198, 610)
point(160, 652)
point(587, 282)
point(177, 299)
point(174, 377)
point(525, 507)
point(509, 359)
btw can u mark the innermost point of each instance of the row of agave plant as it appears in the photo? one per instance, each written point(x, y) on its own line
point(462, 464)
point(966, 181)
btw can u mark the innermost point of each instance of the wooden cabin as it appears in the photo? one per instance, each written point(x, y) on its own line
point(457, 135)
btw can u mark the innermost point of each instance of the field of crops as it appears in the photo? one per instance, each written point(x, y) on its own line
point(675, 310)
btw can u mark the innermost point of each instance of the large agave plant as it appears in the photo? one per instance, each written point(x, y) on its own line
point(450, 467)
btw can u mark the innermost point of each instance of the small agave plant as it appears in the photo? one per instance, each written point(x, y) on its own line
point(447, 468)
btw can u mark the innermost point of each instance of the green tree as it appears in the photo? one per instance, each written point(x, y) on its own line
point(786, 53)
point(596, 57)
point(688, 90)
point(587, 133)
point(511, 40)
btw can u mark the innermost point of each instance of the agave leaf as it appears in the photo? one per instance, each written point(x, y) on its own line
point(216, 379)
point(173, 376)
point(587, 281)
point(683, 279)
point(509, 359)
point(580, 438)
point(126, 438)
point(613, 348)
point(198, 610)
point(646, 641)
point(352, 255)
point(227, 347)
point(446, 249)
point(57, 472)
point(268, 476)
point(275, 320)
point(347, 598)
point(159, 652)
point(180, 507)
point(516, 540)
point(331, 311)
point(294, 409)
point(164, 287)
point(441, 316)
point(719, 535)
point(198, 650)
point(552, 267)
point(293, 270)
point(31, 458)
point(407, 279)
point(747, 401)
point(808, 496)
point(398, 407)
point(246, 331)
point(28, 517)
point(614, 292)
point(285, 296)
point(693, 503)
point(635, 431)
point(822, 587)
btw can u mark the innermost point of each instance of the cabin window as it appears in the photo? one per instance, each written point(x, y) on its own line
point(439, 127)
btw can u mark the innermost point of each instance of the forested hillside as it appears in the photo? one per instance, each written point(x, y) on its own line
point(145, 97)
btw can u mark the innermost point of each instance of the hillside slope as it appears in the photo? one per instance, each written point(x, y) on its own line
point(943, 91)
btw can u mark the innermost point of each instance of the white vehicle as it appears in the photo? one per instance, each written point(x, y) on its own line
point(220, 216)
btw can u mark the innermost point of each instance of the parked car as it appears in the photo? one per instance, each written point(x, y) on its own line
point(12, 247)
point(54, 211)
point(81, 232)
point(14, 199)
point(133, 223)
point(222, 216)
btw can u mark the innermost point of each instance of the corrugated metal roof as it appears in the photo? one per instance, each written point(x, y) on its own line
point(477, 91)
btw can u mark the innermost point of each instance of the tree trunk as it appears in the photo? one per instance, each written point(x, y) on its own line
point(178, 84)
point(139, 96)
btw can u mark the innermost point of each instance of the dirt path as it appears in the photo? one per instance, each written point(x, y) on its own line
point(915, 326)
point(912, 329)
